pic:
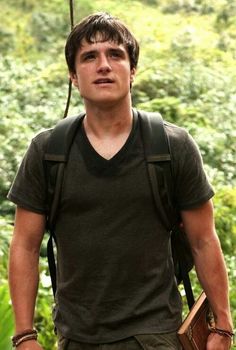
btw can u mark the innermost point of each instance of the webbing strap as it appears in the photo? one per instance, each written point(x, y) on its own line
point(55, 158)
point(52, 264)
point(51, 220)
point(158, 158)
point(187, 284)
point(157, 196)
point(180, 248)
point(61, 138)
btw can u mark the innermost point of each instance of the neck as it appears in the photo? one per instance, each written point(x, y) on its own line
point(108, 121)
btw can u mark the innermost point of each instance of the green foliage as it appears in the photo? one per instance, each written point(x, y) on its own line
point(6, 319)
point(226, 15)
point(231, 266)
point(186, 72)
point(37, 101)
point(43, 316)
point(6, 230)
point(47, 29)
point(225, 216)
point(203, 7)
point(199, 98)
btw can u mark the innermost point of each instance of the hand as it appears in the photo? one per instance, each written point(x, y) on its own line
point(30, 345)
point(218, 342)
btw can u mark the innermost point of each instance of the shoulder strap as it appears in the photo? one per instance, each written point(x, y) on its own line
point(61, 139)
point(158, 158)
point(55, 158)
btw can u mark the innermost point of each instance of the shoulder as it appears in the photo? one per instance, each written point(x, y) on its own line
point(42, 136)
point(175, 132)
point(40, 140)
point(180, 139)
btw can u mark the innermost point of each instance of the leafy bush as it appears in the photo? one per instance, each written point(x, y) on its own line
point(201, 6)
point(186, 71)
point(225, 216)
point(43, 317)
point(6, 318)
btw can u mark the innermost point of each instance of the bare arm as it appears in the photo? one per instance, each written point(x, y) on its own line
point(23, 270)
point(210, 266)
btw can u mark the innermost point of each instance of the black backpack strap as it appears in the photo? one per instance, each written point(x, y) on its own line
point(183, 262)
point(55, 159)
point(157, 155)
point(159, 167)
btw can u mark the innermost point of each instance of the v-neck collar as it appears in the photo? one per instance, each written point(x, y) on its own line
point(94, 160)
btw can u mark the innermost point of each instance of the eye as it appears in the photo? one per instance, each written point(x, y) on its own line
point(116, 54)
point(89, 57)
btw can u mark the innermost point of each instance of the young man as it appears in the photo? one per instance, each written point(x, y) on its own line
point(116, 285)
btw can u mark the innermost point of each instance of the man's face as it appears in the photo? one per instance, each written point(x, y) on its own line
point(103, 74)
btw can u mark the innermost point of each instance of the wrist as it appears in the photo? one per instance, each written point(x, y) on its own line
point(28, 345)
point(224, 321)
point(222, 332)
point(226, 325)
point(26, 335)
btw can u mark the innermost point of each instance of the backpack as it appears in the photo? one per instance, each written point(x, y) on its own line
point(157, 154)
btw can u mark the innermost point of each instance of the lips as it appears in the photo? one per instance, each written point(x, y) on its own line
point(103, 81)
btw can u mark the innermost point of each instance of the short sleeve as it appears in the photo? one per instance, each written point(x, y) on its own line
point(28, 189)
point(192, 187)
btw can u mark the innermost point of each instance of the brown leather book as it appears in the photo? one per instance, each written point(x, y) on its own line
point(194, 331)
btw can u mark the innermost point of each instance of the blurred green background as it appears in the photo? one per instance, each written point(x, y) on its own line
point(186, 72)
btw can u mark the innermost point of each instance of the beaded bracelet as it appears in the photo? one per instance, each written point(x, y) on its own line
point(222, 332)
point(28, 334)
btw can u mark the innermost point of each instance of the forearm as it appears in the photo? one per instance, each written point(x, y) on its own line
point(23, 281)
point(212, 274)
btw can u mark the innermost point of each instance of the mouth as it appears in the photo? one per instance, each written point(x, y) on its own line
point(103, 81)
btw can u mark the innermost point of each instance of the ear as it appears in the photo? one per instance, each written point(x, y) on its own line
point(132, 74)
point(74, 79)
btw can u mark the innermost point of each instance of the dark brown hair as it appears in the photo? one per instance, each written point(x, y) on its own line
point(109, 28)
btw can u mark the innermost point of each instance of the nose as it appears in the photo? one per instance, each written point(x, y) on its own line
point(103, 64)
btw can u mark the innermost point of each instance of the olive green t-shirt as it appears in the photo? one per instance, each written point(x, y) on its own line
point(115, 270)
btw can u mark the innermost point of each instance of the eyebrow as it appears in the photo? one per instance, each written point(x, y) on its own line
point(109, 49)
point(117, 50)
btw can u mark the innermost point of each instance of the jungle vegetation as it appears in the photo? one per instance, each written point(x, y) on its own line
point(186, 72)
